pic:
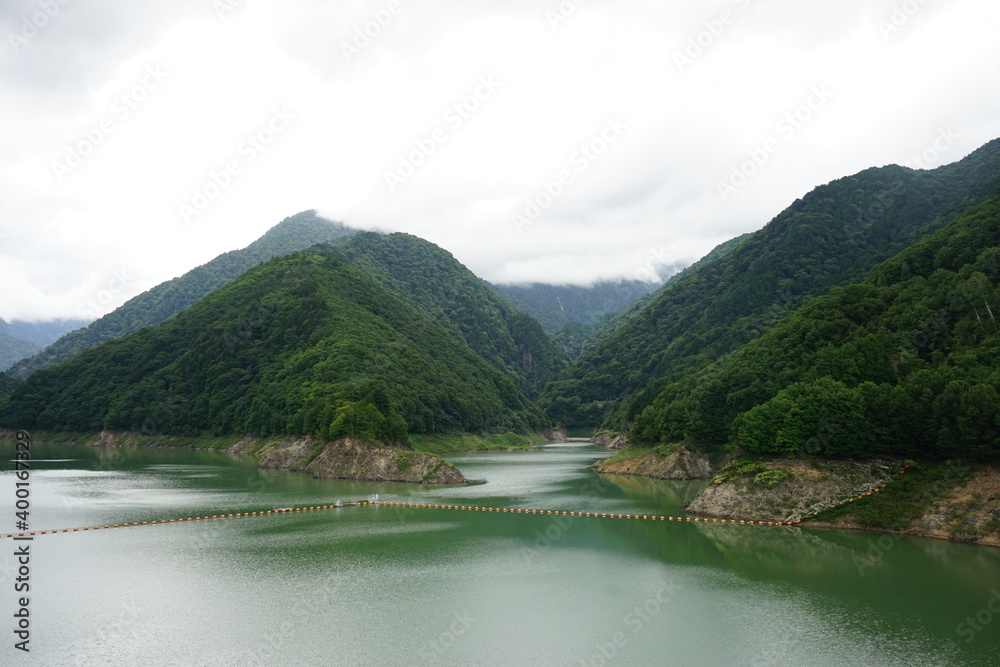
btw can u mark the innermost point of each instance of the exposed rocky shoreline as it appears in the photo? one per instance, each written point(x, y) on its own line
point(350, 458)
point(810, 485)
point(680, 464)
point(790, 489)
point(342, 459)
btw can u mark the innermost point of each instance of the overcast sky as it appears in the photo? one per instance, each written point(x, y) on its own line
point(536, 140)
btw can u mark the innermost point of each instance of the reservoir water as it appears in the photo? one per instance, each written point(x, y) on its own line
point(396, 586)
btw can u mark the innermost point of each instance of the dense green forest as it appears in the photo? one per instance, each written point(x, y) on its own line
point(859, 321)
point(7, 385)
point(446, 292)
point(833, 236)
point(167, 299)
point(579, 318)
point(303, 344)
point(906, 362)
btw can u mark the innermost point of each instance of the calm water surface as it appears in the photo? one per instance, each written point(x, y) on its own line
point(388, 586)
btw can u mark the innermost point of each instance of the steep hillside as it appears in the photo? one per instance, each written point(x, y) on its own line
point(447, 293)
point(906, 363)
point(7, 385)
point(167, 299)
point(303, 344)
point(611, 323)
point(833, 236)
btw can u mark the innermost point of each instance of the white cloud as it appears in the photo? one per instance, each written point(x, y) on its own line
point(654, 189)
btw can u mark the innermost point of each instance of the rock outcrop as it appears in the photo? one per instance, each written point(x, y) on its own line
point(679, 464)
point(350, 458)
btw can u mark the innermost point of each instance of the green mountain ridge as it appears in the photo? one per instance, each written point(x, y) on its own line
point(302, 344)
point(860, 321)
point(608, 324)
point(904, 363)
point(171, 297)
point(833, 236)
point(446, 292)
point(572, 314)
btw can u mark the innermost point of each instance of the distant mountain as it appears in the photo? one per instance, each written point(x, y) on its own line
point(445, 291)
point(555, 306)
point(44, 333)
point(19, 340)
point(303, 344)
point(833, 236)
point(578, 340)
point(13, 347)
point(169, 298)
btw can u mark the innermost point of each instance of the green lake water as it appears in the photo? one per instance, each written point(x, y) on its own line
point(395, 586)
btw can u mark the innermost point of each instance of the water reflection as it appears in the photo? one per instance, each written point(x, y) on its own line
point(380, 585)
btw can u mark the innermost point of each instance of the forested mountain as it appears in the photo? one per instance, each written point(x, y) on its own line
point(555, 306)
point(167, 299)
point(7, 385)
point(446, 292)
point(302, 344)
point(578, 340)
point(833, 236)
point(572, 314)
point(905, 363)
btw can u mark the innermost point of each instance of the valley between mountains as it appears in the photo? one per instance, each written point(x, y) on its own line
point(793, 368)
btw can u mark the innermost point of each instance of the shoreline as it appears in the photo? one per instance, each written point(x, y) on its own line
point(963, 509)
point(347, 458)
